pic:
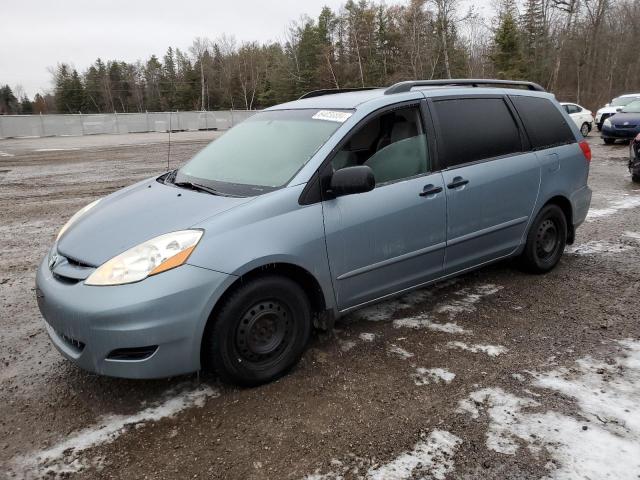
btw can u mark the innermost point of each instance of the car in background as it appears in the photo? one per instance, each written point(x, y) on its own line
point(634, 159)
point(614, 107)
point(582, 117)
point(624, 125)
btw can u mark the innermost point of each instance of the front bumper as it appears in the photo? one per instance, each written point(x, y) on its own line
point(170, 310)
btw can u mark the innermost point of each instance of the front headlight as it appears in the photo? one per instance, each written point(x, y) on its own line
point(607, 123)
point(75, 217)
point(149, 258)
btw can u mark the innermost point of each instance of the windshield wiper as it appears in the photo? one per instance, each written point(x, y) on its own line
point(198, 187)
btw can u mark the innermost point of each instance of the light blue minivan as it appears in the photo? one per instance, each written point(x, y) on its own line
point(305, 212)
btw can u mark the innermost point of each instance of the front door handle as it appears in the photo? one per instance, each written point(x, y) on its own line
point(457, 182)
point(430, 189)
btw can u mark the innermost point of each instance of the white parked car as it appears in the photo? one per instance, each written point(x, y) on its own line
point(582, 117)
point(614, 107)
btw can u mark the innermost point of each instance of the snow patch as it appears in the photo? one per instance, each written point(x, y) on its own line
point(601, 441)
point(64, 458)
point(594, 247)
point(633, 235)
point(384, 311)
point(399, 351)
point(469, 297)
point(614, 207)
point(430, 458)
point(54, 149)
point(5, 154)
point(424, 321)
point(426, 376)
point(346, 345)
point(491, 350)
point(368, 337)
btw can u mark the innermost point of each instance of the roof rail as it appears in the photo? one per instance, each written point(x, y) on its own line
point(472, 82)
point(330, 91)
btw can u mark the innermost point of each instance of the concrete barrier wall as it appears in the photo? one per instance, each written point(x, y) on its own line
point(115, 123)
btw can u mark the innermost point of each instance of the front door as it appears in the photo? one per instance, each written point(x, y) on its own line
point(392, 237)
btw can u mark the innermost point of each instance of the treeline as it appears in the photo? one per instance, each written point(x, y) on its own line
point(582, 50)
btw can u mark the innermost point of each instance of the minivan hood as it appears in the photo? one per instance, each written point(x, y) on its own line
point(135, 214)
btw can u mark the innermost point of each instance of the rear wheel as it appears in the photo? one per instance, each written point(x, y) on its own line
point(546, 240)
point(609, 141)
point(585, 129)
point(259, 333)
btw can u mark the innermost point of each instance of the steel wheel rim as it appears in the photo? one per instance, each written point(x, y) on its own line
point(264, 331)
point(547, 239)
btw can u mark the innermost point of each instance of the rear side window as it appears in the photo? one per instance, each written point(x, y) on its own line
point(543, 121)
point(474, 129)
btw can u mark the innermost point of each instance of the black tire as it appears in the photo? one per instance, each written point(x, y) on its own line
point(635, 178)
point(585, 129)
point(609, 141)
point(546, 240)
point(599, 127)
point(259, 332)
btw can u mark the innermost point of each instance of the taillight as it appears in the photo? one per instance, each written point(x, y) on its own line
point(586, 150)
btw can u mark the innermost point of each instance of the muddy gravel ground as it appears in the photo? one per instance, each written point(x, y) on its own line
point(496, 374)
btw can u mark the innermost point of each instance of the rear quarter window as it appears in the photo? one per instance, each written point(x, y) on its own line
point(545, 124)
point(473, 129)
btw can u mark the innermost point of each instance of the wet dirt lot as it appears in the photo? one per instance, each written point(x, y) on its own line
point(496, 374)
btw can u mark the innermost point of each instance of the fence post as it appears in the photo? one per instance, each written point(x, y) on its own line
point(115, 115)
point(41, 125)
point(232, 117)
point(147, 120)
point(81, 124)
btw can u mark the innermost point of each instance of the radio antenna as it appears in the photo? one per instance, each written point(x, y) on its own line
point(169, 147)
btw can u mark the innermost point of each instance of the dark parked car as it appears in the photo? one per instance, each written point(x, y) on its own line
point(622, 126)
point(634, 159)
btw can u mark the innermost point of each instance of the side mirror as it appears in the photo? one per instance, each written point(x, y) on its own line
point(350, 180)
point(618, 109)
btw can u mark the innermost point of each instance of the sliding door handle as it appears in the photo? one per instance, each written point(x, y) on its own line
point(430, 190)
point(457, 182)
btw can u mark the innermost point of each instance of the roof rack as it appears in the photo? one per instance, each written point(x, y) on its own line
point(472, 82)
point(331, 91)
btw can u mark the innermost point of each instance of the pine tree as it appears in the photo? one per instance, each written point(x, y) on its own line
point(506, 54)
point(8, 101)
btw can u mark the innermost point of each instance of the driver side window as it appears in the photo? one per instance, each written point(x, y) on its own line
point(392, 144)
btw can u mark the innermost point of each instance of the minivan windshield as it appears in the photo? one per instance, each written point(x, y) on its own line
point(262, 153)
point(622, 101)
point(633, 107)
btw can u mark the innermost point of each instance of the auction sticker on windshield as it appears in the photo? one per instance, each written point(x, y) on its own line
point(332, 116)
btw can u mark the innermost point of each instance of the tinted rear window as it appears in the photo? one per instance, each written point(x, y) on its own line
point(475, 129)
point(543, 121)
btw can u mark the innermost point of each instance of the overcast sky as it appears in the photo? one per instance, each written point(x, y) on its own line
point(37, 34)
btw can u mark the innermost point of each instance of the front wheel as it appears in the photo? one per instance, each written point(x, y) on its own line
point(585, 129)
point(546, 240)
point(259, 332)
